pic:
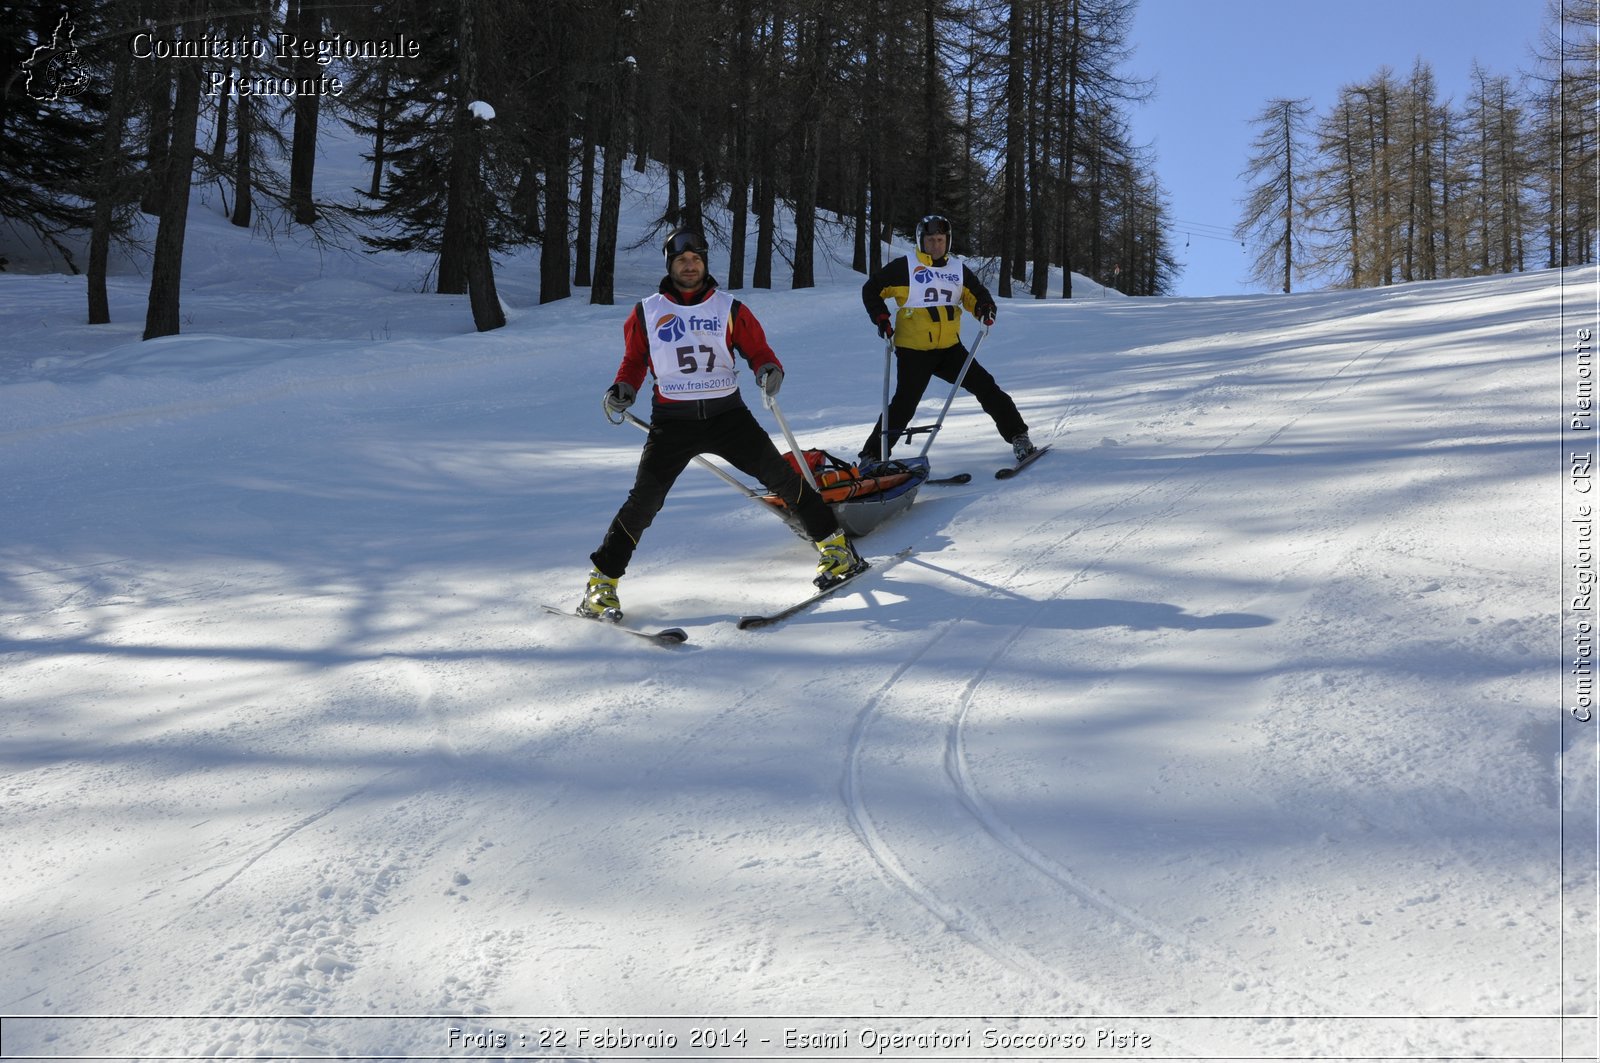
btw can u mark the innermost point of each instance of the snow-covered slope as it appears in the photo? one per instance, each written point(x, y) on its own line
point(1231, 726)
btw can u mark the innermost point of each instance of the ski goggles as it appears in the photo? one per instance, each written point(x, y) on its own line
point(935, 225)
point(678, 243)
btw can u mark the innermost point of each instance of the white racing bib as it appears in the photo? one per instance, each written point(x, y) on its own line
point(934, 285)
point(689, 350)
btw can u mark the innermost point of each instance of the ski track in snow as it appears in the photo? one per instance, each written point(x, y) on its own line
point(1158, 963)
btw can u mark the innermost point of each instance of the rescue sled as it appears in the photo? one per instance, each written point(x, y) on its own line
point(862, 498)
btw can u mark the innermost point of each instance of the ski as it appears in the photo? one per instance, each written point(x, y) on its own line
point(1011, 470)
point(667, 636)
point(767, 619)
point(958, 478)
point(763, 620)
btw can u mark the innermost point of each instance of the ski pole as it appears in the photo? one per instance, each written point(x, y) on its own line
point(883, 422)
point(631, 419)
point(794, 448)
point(972, 354)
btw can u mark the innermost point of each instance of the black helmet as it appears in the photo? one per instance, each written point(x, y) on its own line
point(937, 224)
point(682, 240)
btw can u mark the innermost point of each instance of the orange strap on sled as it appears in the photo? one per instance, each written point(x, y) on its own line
point(848, 484)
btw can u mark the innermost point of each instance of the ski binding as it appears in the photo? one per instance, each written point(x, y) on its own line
point(1011, 470)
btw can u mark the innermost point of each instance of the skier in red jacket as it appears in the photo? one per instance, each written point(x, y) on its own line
point(687, 336)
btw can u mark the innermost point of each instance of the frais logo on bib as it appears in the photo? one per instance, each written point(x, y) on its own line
point(934, 285)
point(670, 327)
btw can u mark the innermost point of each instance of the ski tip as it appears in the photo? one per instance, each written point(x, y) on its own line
point(745, 623)
point(674, 635)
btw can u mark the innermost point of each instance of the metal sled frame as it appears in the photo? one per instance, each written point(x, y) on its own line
point(858, 516)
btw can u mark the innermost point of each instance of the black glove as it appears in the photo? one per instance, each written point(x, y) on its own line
point(885, 329)
point(620, 396)
point(769, 378)
point(985, 312)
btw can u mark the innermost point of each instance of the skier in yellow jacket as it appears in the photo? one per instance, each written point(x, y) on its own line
point(932, 288)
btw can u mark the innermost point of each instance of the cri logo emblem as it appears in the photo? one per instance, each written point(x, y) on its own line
point(669, 327)
point(923, 275)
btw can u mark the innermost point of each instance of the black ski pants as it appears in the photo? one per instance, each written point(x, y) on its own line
point(913, 370)
point(734, 436)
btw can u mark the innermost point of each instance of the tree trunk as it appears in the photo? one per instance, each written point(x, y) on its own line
point(878, 216)
point(1070, 151)
point(1012, 201)
point(1288, 198)
point(809, 154)
point(380, 131)
point(739, 181)
point(1039, 157)
point(613, 131)
point(525, 199)
point(454, 238)
point(932, 142)
point(580, 268)
point(487, 312)
point(166, 272)
point(762, 274)
point(219, 142)
point(307, 21)
point(858, 244)
point(603, 290)
point(158, 137)
point(106, 196)
point(1352, 201)
point(244, 157)
point(766, 178)
point(693, 214)
point(554, 278)
point(466, 162)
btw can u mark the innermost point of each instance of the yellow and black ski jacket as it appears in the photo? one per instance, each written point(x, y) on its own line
point(928, 328)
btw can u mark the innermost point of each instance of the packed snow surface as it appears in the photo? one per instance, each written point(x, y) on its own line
point(1230, 728)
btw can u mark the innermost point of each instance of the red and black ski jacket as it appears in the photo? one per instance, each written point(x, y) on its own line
point(745, 335)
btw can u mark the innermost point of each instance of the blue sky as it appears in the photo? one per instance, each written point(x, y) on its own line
point(1216, 64)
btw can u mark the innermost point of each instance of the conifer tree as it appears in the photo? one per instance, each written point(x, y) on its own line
point(434, 199)
point(1565, 132)
point(50, 110)
point(1272, 208)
